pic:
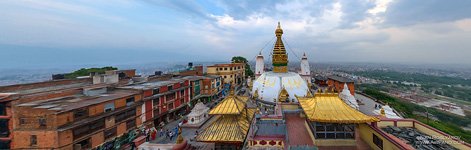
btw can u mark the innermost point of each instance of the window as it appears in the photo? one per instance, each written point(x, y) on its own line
point(97, 125)
point(170, 87)
point(131, 124)
point(85, 144)
point(378, 141)
point(4, 132)
point(130, 101)
point(109, 133)
point(170, 96)
point(155, 91)
point(334, 131)
point(33, 140)
point(42, 122)
point(3, 109)
point(225, 77)
point(182, 92)
point(125, 115)
point(109, 107)
point(22, 121)
point(80, 113)
point(225, 68)
point(231, 69)
point(79, 132)
point(182, 101)
point(170, 106)
point(156, 101)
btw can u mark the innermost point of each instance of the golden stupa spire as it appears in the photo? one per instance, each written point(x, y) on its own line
point(279, 57)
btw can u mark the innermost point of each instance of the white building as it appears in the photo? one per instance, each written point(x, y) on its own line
point(259, 65)
point(305, 69)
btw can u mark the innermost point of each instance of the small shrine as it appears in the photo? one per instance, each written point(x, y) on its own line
point(198, 115)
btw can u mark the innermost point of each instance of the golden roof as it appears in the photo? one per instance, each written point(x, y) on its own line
point(228, 128)
point(330, 108)
point(231, 105)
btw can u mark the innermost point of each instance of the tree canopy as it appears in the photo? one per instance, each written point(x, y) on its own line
point(240, 59)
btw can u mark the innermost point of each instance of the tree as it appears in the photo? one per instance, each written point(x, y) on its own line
point(240, 59)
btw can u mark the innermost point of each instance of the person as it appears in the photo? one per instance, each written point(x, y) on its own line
point(161, 133)
point(376, 106)
point(147, 136)
point(152, 135)
point(167, 134)
point(171, 135)
point(180, 124)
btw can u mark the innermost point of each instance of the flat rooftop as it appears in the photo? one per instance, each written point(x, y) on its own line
point(153, 84)
point(340, 79)
point(67, 103)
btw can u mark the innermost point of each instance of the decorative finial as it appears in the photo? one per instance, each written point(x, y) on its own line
point(279, 26)
point(382, 112)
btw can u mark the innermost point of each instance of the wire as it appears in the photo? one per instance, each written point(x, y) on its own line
point(289, 47)
point(261, 50)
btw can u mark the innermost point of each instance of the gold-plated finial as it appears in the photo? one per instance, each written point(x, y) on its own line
point(382, 112)
point(279, 26)
point(279, 56)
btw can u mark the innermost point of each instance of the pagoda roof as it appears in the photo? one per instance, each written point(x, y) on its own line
point(231, 105)
point(228, 128)
point(329, 108)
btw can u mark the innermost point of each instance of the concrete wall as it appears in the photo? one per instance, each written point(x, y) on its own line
point(366, 133)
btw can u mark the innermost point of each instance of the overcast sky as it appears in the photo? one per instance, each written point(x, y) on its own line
point(54, 33)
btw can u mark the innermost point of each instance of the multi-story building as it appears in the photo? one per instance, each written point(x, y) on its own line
point(233, 73)
point(13, 94)
point(94, 117)
point(163, 100)
point(212, 87)
point(196, 83)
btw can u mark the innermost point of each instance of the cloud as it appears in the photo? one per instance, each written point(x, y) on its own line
point(410, 12)
point(339, 30)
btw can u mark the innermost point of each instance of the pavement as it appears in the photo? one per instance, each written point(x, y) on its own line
point(368, 104)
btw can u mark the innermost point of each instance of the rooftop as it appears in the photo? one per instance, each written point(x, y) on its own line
point(228, 128)
point(340, 79)
point(154, 84)
point(230, 105)
point(329, 108)
point(67, 103)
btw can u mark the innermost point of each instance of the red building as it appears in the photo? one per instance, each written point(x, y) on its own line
point(163, 100)
point(337, 83)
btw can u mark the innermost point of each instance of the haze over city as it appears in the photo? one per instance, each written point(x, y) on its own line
point(37, 34)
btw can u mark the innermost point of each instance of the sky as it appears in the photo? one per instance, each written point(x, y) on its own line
point(82, 32)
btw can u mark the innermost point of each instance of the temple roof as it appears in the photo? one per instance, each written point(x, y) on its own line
point(329, 108)
point(228, 128)
point(231, 105)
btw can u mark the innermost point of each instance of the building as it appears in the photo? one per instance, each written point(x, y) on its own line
point(93, 118)
point(305, 69)
point(233, 73)
point(270, 84)
point(192, 70)
point(13, 94)
point(163, 101)
point(212, 88)
point(259, 65)
point(337, 83)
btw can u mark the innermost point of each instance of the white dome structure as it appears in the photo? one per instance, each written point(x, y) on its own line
point(348, 98)
point(269, 86)
point(279, 83)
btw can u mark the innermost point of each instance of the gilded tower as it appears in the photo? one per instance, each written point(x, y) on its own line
point(280, 58)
